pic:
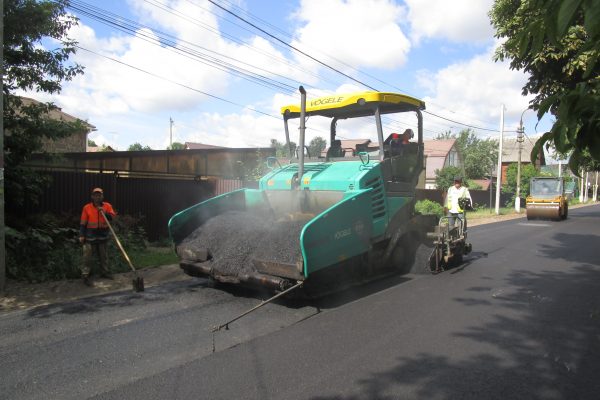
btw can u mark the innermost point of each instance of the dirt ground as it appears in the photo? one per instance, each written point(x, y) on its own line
point(22, 295)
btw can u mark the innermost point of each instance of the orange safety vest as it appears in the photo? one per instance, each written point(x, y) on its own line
point(92, 224)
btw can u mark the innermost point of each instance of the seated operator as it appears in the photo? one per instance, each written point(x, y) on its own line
point(407, 135)
point(395, 144)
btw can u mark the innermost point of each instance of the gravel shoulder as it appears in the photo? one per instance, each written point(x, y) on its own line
point(23, 295)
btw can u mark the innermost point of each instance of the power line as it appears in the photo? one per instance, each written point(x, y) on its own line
point(328, 66)
point(128, 26)
point(177, 83)
point(137, 30)
point(461, 123)
point(292, 47)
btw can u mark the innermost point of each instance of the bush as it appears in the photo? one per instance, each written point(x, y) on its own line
point(43, 250)
point(46, 247)
point(428, 207)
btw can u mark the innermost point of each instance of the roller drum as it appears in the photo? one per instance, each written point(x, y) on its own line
point(543, 211)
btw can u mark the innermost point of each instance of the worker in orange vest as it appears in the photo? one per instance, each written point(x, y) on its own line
point(93, 234)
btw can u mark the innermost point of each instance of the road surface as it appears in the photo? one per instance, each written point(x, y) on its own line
point(519, 320)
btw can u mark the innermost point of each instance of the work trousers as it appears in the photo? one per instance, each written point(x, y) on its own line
point(92, 251)
point(452, 219)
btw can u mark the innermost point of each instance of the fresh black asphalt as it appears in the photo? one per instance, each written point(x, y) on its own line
point(519, 320)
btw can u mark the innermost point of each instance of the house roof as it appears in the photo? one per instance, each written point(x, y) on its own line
point(98, 149)
point(201, 146)
point(59, 114)
point(438, 148)
point(351, 144)
point(436, 152)
point(510, 150)
point(484, 183)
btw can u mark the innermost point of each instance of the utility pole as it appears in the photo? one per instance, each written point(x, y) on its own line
point(559, 168)
point(491, 185)
point(499, 172)
point(520, 132)
point(2, 247)
point(581, 187)
point(596, 188)
point(171, 133)
point(587, 184)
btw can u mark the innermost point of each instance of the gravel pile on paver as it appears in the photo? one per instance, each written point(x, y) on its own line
point(234, 238)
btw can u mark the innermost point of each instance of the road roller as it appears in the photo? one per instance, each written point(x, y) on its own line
point(547, 199)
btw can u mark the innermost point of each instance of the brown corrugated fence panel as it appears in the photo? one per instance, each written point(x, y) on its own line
point(229, 185)
point(156, 200)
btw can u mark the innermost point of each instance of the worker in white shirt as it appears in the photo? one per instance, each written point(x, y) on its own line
point(453, 209)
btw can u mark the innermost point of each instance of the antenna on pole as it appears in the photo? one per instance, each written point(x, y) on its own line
point(171, 133)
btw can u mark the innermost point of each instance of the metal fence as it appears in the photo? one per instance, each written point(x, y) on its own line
point(153, 200)
point(156, 200)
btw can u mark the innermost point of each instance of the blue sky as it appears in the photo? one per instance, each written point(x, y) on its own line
point(437, 50)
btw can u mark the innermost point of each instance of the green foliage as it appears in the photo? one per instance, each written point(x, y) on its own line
point(282, 150)
point(444, 178)
point(479, 156)
point(257, 170)
point(445, 136)
point(91, 143)
point(176, 146)
point(153, 256)
point(528, 171)
point(316, 145)
point(557, 42)
point(428, 207)
point(138, 147)
point(28, 66)
point(46, 247)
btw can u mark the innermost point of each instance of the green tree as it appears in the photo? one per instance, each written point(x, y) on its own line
point(445, 136)
point(281, 149)
point(176, 146)
point(444, 178)
point(316, 145)
point(138, 147)
point(528, 171)
point(557, 42)
point(28, 66)
point(91, 143)
point(478, 155)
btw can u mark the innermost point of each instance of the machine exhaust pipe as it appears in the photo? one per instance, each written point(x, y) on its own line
point(301, 140)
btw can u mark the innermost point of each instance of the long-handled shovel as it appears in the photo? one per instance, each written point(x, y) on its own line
point(138, 281)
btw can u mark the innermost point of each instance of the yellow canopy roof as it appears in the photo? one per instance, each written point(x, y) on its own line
point(353, 105)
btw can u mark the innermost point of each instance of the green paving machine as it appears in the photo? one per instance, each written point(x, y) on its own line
point(321, 221)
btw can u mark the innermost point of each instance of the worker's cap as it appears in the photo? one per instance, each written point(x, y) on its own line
point(409, 133)
point(98, 190)
point(458, 178)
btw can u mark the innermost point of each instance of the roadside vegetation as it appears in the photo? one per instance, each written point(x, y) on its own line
point(46, 247)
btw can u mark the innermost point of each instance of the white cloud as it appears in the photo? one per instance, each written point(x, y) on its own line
point(473, 91)
point(111, 85)
point(360, 33)
point(456, 20)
